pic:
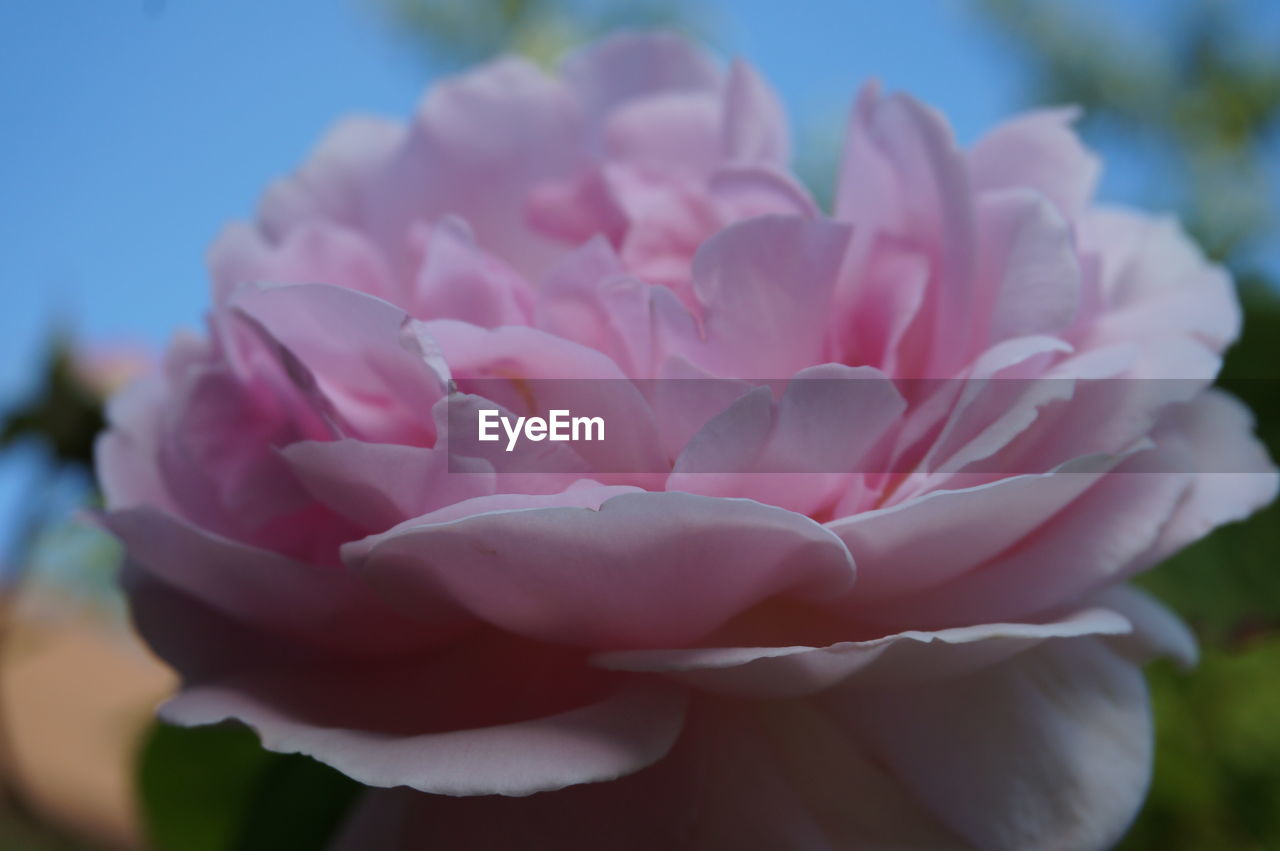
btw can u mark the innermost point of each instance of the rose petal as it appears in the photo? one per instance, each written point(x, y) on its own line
point(765, 285)
point(338, 182)
point(644, 570)
point(506, 126)
point(927, 540)
point(755, 123)
point(628, 729)
point(1049, 750)
point(324, 327)
point(315, 605)
point(627, 66)
point(1038, 150)
point(1156, 630)
point(903, 658)
point(379, 484)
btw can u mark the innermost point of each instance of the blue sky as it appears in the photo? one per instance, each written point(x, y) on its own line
point(133, 129)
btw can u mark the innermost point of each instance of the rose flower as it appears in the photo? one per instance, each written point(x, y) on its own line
point(866, 590)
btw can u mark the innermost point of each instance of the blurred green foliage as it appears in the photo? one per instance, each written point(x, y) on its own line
point(216, 789)
point(1196, 87)
point(63, 413)
point(21, 832)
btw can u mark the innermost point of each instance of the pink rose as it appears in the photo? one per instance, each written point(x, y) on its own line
point(859, 610)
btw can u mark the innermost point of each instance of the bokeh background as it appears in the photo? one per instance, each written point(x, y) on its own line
point(132, 130)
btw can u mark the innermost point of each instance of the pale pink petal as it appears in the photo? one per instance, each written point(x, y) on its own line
point(627, 66)
point(904, 658)
point(380, 484)
point(1027, 257)
point(1088, 545)
point(578, 209)
point(324, 328)
point(916, 544)
point(765, 285)
point(777, 776)
point(506, 126)
point(1157, 631)
point(529, 466)
point(995, 405)
point(1231, 474)
point(530, 372)
point(320, 606)
point(338, 183)
point(215, 457)
point(881, 309)
point(621, 733)
point(1037, 150)
point(675, 132)
point(642, 570)
point(317, 252)
point(459, 281)
point(798, 452)
point(125, 462)
point(757, 190)
point(904, 174)
point(755, 123)
point(567, 297)
point(1048, 750)
point(582, 493)
point(1156, 281)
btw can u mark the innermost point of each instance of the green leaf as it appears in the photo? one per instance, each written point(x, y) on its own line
point(298, 803)
point(195, 785)
point(216, 789)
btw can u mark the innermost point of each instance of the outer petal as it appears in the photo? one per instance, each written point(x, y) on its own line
point(644, 570)
point(321, 607)
point(199, 640)
point(909, 547)
point(904, 658)
point(1155, 281)
point(1231, 475)
point(125, 455)
point(1040, 151)
point(776, 775)
point(1090, 544)
point(1049, 750)
point(621, 733)
point(1156, 630)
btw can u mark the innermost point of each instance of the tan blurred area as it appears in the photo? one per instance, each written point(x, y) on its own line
point(77, 691)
